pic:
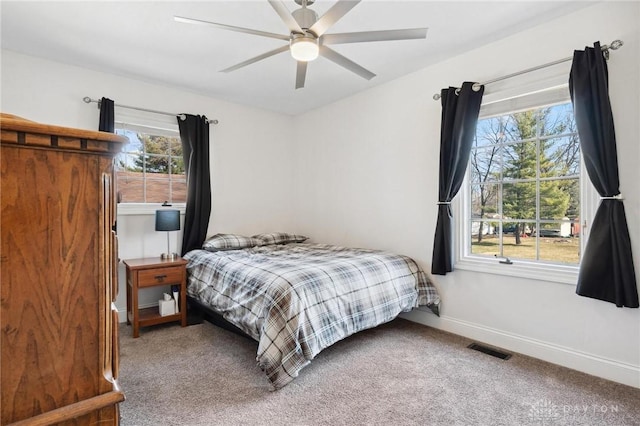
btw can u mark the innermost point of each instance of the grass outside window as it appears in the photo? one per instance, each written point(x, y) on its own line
point(552, 249)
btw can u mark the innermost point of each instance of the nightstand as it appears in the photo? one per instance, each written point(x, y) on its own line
point(154, 272)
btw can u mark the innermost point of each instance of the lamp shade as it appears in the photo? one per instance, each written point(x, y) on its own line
point(167, 220)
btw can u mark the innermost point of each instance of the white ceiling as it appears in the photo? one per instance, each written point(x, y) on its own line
point(141, 40)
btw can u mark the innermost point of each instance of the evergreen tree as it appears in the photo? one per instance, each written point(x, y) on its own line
point(161, 154)
point(521, 160)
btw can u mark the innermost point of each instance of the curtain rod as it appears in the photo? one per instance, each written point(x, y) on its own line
point(88, 100)
point(615, 45)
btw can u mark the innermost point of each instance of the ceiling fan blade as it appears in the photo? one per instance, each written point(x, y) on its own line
point(334, 56)
point(286, 16)
point(332, 16)
point(366, 36)
point(231, 28)
point(301, 74)
point(257, 58)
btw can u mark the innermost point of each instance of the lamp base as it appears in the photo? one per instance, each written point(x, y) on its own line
point(169, 256)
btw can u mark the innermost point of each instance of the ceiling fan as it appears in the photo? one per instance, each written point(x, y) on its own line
point(308, 39)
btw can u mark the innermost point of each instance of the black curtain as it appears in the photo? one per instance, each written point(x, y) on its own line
point(194, 134)
point(107, 120)
point(606, 269)
point(460, 109)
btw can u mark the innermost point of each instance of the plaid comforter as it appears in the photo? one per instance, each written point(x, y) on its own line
point(297, 299)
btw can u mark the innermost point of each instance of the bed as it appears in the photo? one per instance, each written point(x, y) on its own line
point(296, 299)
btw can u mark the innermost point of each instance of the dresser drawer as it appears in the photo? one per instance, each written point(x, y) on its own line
point(152, 277)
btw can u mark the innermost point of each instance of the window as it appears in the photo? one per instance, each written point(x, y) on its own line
point(151, 168)
point(521, 200)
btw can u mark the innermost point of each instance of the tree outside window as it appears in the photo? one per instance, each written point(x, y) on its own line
point(151, 169)
point(525, 187)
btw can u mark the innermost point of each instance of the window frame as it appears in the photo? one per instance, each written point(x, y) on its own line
point(461, 206)
point(147, 123)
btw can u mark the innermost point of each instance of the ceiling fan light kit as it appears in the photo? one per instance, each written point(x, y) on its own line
point(304, 47)
point(307, 39)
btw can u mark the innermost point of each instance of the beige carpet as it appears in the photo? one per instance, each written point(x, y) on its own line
point(401, 373)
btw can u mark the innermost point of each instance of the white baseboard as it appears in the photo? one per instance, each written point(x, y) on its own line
point(122, 314)
point(616, 371)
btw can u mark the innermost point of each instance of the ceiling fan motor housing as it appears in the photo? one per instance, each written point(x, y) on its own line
point(305, 17)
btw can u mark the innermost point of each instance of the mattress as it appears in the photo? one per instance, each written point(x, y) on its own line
point(297, 299)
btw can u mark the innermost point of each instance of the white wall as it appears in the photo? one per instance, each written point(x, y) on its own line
point(251, 191)
point(368, 176)
point(365, 174)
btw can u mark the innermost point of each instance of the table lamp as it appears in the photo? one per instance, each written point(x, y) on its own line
point(168, 220)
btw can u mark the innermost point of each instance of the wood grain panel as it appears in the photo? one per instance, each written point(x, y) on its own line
point(58, 341)
point(49, 287)
point(172, 275)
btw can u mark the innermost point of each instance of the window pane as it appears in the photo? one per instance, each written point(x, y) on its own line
point(176, 147)
point(155, 144)
point(483, 240)
point(555, 198)
point(561, 157)
point(485, 164)
point(484, 201)
point(177, 166)
point(520, 161)
point(519, 247)
point(521, 125)
point(157, 164)
point(572, 188)
point(490, 131)
point(128, 162)
point(130, 187)
point(134, 144)
point(525, 249)
point(559, 249)
point(151, 168)
point(519, 200)
point(524, 174)
point(557, 120)
point(522, 227)
point(157, 189)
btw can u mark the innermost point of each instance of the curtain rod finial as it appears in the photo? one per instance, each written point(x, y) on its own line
point(436, 96)
point(86, 99)
point(616, 44)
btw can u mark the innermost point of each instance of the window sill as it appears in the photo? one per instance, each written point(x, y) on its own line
point(141, 209)
point(554, 273)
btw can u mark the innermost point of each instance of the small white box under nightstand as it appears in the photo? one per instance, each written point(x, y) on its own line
point(166, 307)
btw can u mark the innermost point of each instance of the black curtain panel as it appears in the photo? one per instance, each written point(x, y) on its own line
point(107, 116)
point(606, 269)
point(460, 109)
point(194, 135)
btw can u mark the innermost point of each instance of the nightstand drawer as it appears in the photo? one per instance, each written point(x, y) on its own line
point(159, 276)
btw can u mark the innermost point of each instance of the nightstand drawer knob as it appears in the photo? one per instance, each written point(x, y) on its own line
point(160, 277)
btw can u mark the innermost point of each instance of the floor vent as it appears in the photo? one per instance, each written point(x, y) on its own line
point(489, 351)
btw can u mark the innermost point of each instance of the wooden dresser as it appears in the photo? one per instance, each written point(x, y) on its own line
point(59, 327)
